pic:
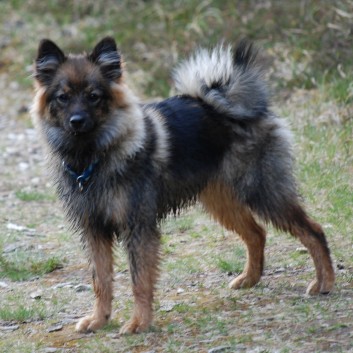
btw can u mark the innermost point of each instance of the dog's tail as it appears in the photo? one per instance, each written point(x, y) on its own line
point(231, 82)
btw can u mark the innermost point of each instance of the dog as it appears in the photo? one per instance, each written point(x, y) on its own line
point(120, 166)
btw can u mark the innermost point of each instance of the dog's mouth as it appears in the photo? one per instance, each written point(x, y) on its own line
point(82, 135)
point(77, 133)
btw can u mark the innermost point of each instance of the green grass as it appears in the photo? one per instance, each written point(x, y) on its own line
point(21, 313)
point(185, 264)
point(29, 196)
point(298, 259)
point(315, 33)
point(325, 173)
point(179, 224)
point(23, 268)
point(232, 262)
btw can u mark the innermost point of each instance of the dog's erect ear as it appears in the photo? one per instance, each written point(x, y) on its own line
point(106, 55)
point(49, 58)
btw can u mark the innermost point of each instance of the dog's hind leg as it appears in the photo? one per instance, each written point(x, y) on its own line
point(143, 251)
point(220, 201)
point(101, 258)
point(312, 236)
point(269, 190)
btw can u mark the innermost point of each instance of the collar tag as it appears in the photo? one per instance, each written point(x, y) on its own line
point(83, 178)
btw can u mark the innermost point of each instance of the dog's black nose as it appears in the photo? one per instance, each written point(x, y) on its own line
point(80, 122)
point(77, 121)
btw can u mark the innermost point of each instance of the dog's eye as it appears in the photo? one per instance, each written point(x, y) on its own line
point(94, 97)
point(63, 98)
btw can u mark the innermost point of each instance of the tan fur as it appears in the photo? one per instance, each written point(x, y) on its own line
point(143, 288)
point(122, 98)
point(39, 103)
point(325, 276)
point(77, 69)
point(102, 265)
point(220, 202)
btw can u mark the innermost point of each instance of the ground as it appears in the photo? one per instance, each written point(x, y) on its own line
point(45, 284)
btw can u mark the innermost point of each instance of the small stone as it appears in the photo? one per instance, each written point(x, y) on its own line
point(22, 166)
point(180, 290)
point(9, 328)
point(69, 321)
point(63, 285)
point(82, 288)
point(31, 331)
point(36, 295)
point(3, 285)
point(35, 181)
point(219, 349)
point(55, 328)
point(167, 305)
point(12, 226)
point(113, 336)
point(301, 250)
point(11, 248)
point(50, 350)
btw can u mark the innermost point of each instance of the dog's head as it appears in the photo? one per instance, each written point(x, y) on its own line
point(78, 88)
point(81, 99)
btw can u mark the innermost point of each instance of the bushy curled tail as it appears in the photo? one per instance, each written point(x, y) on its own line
point(230, 81)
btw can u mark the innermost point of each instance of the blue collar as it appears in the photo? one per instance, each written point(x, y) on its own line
point(81, 179)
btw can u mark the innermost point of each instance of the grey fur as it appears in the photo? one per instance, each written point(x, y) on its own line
point(232, 83)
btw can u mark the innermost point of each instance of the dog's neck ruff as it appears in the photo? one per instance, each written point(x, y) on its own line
point(83, 178)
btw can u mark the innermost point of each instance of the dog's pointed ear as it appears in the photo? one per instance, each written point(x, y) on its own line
point(49, 58)
point(106, 55)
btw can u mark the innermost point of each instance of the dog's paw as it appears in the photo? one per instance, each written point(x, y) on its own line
point(243, 281)
point(134, 325)
point(90, 323)
point(315, 287)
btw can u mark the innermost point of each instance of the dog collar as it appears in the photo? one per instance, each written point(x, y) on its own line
point(80, 179)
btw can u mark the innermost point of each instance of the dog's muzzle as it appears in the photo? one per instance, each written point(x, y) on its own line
point(80, 123)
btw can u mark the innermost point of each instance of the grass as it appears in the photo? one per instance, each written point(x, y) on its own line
point(23, 268)
point(325, 173)
point(153, 35)
point(29, 196)
point(185, 264)
point(232, 261)
point(20, 313)
point(180, 224)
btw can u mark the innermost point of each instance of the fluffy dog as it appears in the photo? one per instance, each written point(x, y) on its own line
point(121, 166)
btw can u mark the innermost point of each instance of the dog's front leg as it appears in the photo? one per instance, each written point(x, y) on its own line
point(143, 252)
point(101, 258)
